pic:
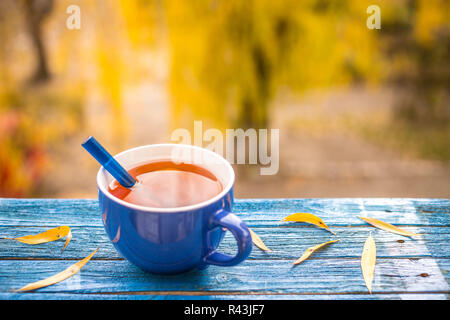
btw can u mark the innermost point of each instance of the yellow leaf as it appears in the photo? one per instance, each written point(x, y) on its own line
point(388, 227)
point(70, 271)
point(69, 237)
point(47, 236)
point(310, 250)
point(309, 218)
point(257, 241)
point(368, 259)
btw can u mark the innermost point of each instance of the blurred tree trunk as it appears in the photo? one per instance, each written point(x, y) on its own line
point(36, 11)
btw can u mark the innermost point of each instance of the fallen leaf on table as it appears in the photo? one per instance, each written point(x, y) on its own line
point(68, 238)
point(368, 259)
point(388, 227)
point(310, 250)
point(309, 218)
point(47, 236)
point(257, 241)
point(70, 271)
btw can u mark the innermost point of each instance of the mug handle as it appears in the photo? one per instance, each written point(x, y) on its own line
point(240, 232)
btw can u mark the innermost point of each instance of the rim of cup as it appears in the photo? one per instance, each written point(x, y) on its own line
point(103, 188)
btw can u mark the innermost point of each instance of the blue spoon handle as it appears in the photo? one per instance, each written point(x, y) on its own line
point(108, 162)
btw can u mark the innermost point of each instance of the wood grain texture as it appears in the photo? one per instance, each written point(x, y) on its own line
point(286, 243)
point(262, 212)
point(406, 268)
point(274, 276)
point(209, 296)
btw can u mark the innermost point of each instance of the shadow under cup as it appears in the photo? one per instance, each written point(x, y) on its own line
point(173, 240)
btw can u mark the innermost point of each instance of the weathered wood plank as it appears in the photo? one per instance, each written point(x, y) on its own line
point(344, 212)
point(286, 243)
point(208, 296)
point(49, 212)
point(406, 268)
point(326, 276)
point(335, 212)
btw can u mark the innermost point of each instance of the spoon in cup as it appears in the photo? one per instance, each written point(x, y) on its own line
point(118, 172)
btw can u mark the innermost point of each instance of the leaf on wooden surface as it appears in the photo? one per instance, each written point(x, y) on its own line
point(368, 259)
point(258, 242)
point(70, 271)
point(388, 227)
point(309, 218)
point(47, 236)
point(68, 238)
point(310, 250)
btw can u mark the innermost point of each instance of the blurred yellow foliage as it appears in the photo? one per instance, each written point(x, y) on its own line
point(228, 61)
point(229, 58)
point(431, 16)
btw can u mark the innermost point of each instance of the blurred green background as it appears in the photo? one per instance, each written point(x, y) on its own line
point(361, 112)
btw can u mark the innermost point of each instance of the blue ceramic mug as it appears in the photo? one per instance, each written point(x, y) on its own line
point(174, 240)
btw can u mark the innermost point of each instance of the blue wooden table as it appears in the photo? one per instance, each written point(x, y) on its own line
point(406, 268)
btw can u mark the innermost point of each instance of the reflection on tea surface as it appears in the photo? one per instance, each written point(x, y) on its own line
point(171, 185)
